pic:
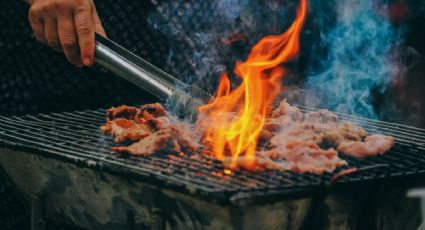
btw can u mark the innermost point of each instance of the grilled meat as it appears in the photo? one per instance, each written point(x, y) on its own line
point(124, 129)
point(123, 111)
point(372, 145)
point(321, 127)
point(290, 140)
point(301, 156)
point(171, 139)
point(308, 142)
point(150, 129)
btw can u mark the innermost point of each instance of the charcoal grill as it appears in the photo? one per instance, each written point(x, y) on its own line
point(54, 154)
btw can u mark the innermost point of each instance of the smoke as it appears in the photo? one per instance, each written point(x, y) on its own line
point(360, 62)
point(351, 44)
point(207, 37)
point(192, 38)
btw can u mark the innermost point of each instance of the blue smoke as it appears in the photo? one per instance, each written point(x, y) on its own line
point(358, 61)
point(353, 42)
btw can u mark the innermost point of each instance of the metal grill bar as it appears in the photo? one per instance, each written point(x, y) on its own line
point(75, 137)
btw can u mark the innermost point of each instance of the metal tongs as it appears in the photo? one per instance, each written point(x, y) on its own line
point(183, 98)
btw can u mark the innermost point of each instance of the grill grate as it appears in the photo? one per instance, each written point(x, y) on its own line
point(75, 137)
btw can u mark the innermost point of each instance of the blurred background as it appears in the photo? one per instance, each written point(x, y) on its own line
point(359, 57)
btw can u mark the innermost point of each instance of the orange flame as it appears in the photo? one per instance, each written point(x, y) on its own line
point(237, 117)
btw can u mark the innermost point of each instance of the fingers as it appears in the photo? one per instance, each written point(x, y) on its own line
point(51, 33)
point(85, 32)
point(68, 26)
point(68, 39)
point(36, 25)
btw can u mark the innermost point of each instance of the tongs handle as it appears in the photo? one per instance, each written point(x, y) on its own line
point(134, 69)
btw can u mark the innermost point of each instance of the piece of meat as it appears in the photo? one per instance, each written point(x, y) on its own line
point(117, 126)
point(261, 163)
point(155, 115)
point(172, 139)
point(285, 108)
point(321, 126)
point(265, 136)
point(123, 111)
point(351, 132)
point(131, 123)
point(124, 115)
point(290, 140)
point(124, 129)
point(275, 124)
point(304, 156)
point(153, 110)
point(373, 145)
point(320, 116)
point(333, 135)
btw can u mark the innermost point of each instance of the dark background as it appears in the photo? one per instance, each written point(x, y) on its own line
point(36, 79)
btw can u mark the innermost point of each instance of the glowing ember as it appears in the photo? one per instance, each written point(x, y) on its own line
point(236, 117)
point(228, 171)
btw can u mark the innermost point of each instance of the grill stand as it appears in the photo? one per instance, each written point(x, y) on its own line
point(93, 199)
point(158, 219)
point(96, 200)
point(419, 193)
point(37, 213)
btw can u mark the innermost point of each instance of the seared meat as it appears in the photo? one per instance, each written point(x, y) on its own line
point(299, 156)
point(373, 145)
point(321, 127)
point(320, 116)
point(149, 127)
point(290, 140)
point(285, 108)
point(123, 111)
point(302, 155)
point(171, 139)
point(153, 111)
point(124, 129)
point(307, 142)
point(131, 123)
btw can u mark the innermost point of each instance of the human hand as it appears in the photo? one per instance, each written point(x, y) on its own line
point(67, 26)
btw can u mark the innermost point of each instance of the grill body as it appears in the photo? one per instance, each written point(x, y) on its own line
point(66, 158)
point(97, 200)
